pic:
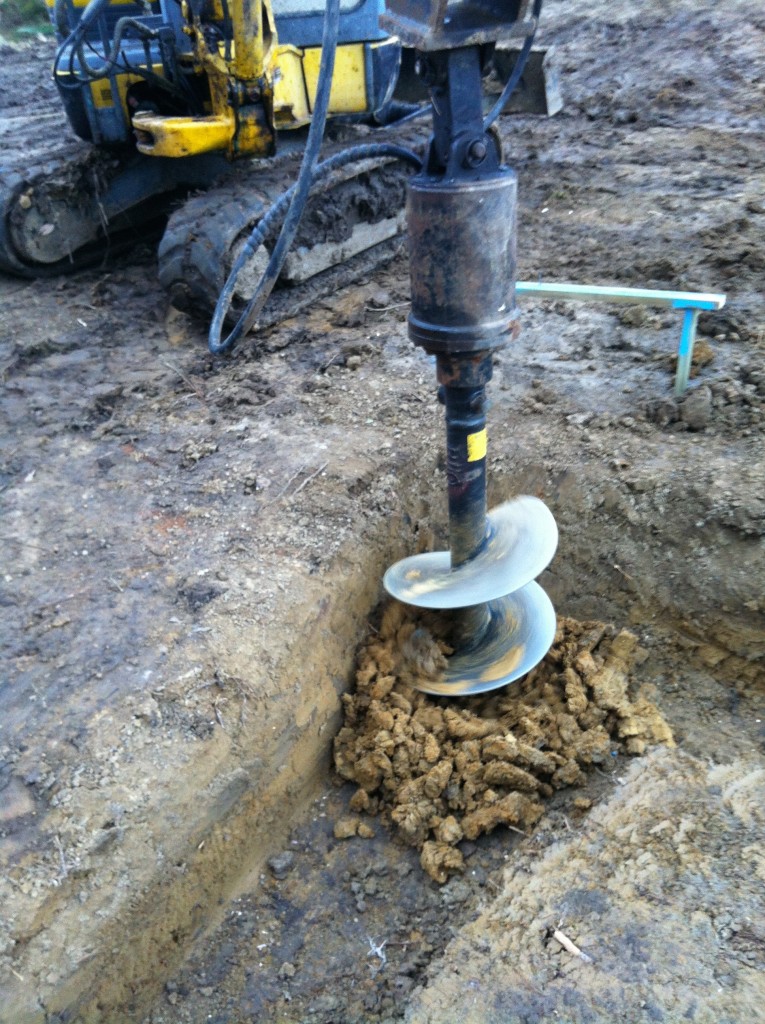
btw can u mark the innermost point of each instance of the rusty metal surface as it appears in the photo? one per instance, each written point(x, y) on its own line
point(464, 371)
point(462, 252)
point(446, 25)
point(539, 90)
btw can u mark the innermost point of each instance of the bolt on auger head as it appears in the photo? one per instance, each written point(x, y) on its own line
point(461, 211)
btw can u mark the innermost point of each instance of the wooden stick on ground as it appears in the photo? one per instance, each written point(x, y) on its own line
point(567, 944)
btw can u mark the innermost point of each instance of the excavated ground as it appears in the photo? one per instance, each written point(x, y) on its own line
point(192, 554)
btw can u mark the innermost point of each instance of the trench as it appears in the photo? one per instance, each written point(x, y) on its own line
point(212, 930)
point(326, 904)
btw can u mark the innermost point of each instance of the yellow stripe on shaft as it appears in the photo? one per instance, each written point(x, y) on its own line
point(476, 446)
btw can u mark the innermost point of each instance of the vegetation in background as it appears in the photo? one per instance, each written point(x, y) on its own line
point(24, 16)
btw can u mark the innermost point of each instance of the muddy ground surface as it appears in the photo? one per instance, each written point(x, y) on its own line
point(192, 551)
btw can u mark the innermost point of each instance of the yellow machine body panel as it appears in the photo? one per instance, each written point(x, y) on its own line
point(183, 136)
point(103, 94)
point(349, 91)
point(294, 75)
point(291, 107)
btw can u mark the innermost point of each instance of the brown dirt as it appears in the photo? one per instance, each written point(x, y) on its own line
point(618, 889)
point(444, 771)
point(192, 549)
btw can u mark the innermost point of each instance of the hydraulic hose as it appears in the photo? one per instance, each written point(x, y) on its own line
point(297, 203)
point(370, 151)
point(77, 35)
point(517, 72)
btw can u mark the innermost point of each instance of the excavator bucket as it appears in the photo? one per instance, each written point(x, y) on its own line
point(538, 90)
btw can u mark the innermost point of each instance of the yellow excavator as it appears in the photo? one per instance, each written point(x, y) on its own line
point(212, 98)
point(183, 92)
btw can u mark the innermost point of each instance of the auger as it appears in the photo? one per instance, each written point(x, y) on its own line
point(461, 222)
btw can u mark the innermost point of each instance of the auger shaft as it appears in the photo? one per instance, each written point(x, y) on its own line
point(461, 222)
point(463, 392)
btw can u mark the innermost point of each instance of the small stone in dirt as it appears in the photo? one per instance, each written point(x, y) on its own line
point(345, 828)
point(439, 859)
point(580, 419)
point(703, 353)
point(196, 450)
point(378, 297)
point(633, 316)
point(545, 395)
point(449, 831)
point(281, 864)
point(365, 831)
point(696, 408)
point(663, 412)
point(287, 970)
point(350, 311)
point(147, 710)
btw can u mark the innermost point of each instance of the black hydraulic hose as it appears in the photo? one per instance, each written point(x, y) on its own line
point(370, 151)
point(515, 77)
point(75, 37)
point(110, 59)
point(509, 88)
point(299, 197)
point(120, 27)
point(427, 108)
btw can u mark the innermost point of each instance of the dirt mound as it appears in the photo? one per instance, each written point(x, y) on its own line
point(661, 887)
point(444, 771)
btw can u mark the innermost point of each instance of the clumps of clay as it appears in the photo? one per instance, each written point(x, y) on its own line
point(443, 770)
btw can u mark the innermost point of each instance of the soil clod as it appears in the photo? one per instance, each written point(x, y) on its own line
point(444, 771)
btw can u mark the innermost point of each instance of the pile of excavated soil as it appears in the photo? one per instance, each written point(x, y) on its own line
point(447, 770)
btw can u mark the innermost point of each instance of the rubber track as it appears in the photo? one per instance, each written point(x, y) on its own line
point(196, 251)
point(38, 152)
point(33, 151)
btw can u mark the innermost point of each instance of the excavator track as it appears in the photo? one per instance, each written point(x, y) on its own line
point(350, 225)
point(52, 218)
point(39, 163)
